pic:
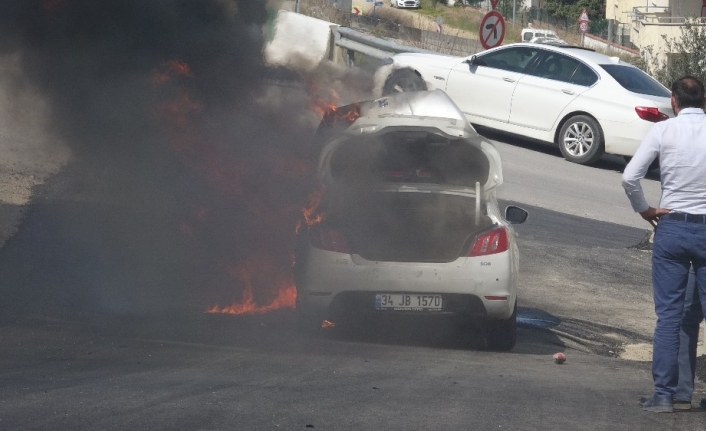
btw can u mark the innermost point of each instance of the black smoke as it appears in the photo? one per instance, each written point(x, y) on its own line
point(177, 175)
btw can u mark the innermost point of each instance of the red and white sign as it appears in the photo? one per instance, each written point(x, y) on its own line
point(583, 21)
point(494, 4)
point(492, 29)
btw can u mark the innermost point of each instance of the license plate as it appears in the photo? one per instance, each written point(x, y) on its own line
point(407, 302)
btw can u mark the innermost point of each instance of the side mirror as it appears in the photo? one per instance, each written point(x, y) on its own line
point(515, 215)
point(471, 60)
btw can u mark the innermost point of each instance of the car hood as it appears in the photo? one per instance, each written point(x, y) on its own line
point(422, 132)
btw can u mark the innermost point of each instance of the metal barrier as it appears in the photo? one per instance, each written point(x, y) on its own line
point(353, 40)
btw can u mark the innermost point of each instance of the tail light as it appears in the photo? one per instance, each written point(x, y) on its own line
point(491, 242)
point(328, 239)
point(651, 114)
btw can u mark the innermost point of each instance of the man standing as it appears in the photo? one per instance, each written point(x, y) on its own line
point(680, 237)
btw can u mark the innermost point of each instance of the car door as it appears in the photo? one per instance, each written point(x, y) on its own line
point(550, 85)
point(482, 87)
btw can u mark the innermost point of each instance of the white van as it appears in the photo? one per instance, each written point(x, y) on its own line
point(541, 35)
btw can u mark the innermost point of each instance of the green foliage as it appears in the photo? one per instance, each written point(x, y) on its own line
point(571, 9)
point(685, 56)
point(505, 8)
point(599, 26)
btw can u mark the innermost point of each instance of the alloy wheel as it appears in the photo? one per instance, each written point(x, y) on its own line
point(578, 139)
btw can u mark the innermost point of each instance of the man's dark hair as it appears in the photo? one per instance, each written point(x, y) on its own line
point(688, 92)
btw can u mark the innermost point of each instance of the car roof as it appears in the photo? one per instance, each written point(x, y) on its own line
point(585, 54)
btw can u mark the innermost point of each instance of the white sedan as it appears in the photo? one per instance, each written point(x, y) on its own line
point(410, 223)
point(585, 102)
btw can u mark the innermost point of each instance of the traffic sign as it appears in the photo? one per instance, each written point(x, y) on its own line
point(494, 4)
point(492, 29)
point(583, 26)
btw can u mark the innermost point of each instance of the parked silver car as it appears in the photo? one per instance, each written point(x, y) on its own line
point(410, 223)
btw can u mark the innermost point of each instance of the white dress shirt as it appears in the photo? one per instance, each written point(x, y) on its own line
point(680, 143)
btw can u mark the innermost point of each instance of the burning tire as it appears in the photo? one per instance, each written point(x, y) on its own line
point(403, 80)
point(502, 334)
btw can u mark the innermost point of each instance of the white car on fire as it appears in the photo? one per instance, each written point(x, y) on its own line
point(409, 220)
point(585, 102)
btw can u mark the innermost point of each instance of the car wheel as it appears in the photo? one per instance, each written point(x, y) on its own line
point(403, 80)
point(502, 334)
point(581, 140)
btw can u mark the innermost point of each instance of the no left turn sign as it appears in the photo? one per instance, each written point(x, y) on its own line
point(492, 29)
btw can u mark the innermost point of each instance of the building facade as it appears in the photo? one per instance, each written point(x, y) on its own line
point(643, 24)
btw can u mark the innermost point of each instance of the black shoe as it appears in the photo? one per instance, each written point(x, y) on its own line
point(657, 404)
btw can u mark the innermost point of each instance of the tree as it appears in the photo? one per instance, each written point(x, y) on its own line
point(571, 9)
point(683, 56)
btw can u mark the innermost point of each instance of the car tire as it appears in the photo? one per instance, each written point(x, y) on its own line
point(581, 140)
point(502, 334)
point(403, 80)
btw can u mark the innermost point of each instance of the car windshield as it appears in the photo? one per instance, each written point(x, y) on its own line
point(635, 80)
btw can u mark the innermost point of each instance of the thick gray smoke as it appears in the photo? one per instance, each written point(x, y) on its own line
point(181, 192)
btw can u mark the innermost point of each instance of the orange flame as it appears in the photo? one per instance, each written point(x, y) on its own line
point(265, 270)
point(286, 294)
point(329, 108)
point(311, 212)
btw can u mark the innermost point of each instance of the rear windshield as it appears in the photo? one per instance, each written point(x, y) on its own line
point(410, 157)
point(635, 80)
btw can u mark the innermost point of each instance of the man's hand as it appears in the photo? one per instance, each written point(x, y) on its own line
point(652, 215)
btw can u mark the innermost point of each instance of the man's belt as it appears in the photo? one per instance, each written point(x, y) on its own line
point(691, 218)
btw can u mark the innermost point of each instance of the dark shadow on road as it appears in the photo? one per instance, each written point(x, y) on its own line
point(608, 162)
point(278, 332)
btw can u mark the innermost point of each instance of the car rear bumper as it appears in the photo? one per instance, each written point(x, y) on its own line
point(623, 138)
point(469, 286)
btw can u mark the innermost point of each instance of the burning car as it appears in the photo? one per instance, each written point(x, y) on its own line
point(408, 222)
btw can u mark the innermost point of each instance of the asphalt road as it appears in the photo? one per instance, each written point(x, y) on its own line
point(104, 286)
point(81, 356)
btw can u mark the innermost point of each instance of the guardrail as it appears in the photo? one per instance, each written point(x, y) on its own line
point(353, 40)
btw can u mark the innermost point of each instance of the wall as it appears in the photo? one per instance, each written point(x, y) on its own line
point(299, 42)
point(594, 42)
